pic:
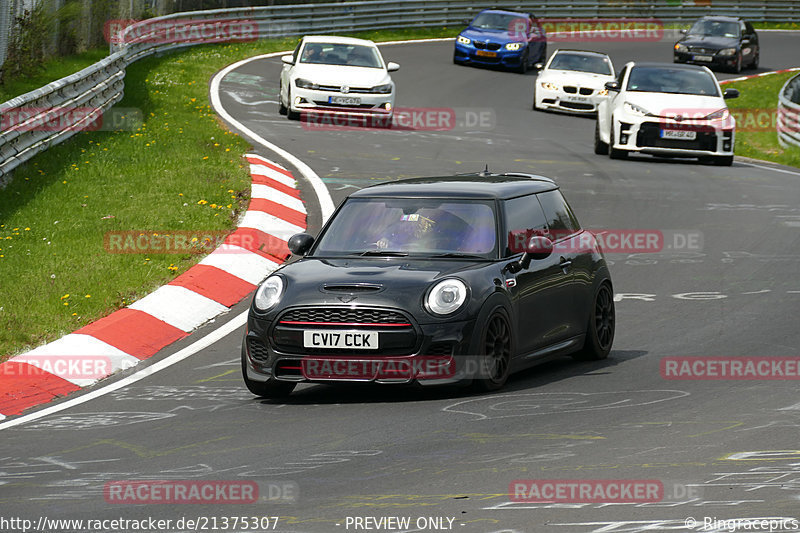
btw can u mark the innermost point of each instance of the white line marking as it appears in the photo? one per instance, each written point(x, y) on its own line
point(216, 335)
point(770, 168)
point(325, 201)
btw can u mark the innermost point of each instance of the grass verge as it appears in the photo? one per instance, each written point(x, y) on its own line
point(755, 111)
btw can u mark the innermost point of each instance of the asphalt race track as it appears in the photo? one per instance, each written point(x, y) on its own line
point(722, 449)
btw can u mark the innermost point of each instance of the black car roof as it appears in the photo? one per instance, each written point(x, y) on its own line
point(477, 185)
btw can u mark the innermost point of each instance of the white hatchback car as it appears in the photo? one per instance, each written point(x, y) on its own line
point(573, 81)
point(666, 110)
point(336, 75)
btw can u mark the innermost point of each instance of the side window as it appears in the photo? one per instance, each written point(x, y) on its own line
point(560, 219)
point(524, 218)
point(750, 29)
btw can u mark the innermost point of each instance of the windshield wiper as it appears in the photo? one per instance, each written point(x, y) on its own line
point(386, 253)
point(459, 255)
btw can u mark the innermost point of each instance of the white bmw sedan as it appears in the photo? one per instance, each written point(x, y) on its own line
point(573, 81)
point(666, 110)
point(336, 75)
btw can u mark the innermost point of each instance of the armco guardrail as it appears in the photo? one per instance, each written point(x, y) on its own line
point(101, 85)
point(788, 123)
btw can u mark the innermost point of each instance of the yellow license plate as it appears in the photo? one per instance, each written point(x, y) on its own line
point(484, 53)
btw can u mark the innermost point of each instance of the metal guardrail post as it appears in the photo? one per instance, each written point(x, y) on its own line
point(788, 120)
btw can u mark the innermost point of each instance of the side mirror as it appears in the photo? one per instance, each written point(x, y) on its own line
point(300, 243)
point(288, 59)
point(391, 66)
point(730, 93)
point(466, 22)
point(538, 248)
point(538, 66)
point(684, 32)
point(612, 86)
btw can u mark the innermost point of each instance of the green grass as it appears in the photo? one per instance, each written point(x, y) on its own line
point(52, 70)
point(755, 111)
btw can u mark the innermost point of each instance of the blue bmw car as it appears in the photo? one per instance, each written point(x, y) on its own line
point(502, 38)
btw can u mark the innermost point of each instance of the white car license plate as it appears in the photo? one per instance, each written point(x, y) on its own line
point(702, 58)
point(351, 340)
point(344, 100)
point(580, 99)
point(681, 135)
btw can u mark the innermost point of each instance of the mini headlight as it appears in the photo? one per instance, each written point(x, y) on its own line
point(446, 297)
point(679, 47)
point(513, 46)
point(269, 293)
point(305, 84)
point(463, 40)
point(636, 110)
point(727, 52)
point(386, 88)
point(549, 86)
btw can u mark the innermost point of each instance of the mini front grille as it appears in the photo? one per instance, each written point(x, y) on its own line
point(343, 316)
point(351, 289)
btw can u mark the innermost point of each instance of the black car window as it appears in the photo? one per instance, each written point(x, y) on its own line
point(561, 221)
point(621, 76)
point(676, 80)
point(524, 218)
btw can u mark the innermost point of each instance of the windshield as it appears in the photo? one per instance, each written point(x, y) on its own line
point(353, 55)
point(672, 80)
point(411, 225)
point(499, 21)
point(718, 28)
point(582, 63)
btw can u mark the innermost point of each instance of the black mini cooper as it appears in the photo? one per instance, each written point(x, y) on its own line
point(461, 279)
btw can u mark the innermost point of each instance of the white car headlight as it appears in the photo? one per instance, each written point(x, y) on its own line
point(463, 40)
point(386, 88)
point(446, 297)
point(513, 46)
point(719, 114)
point(634, 109)
point(305, 84)
point(549, 86)
point(269, 293)
point(680, 47)
point(602, 92)
point(727, 52)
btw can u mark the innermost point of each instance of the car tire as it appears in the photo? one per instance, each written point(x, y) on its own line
point(523, 64)
point(271, 388)
point(614, 153)
point(495, 350)
point(738, 67)
point(291, 115)
point(600, 148)
point(600, 328)
point(281, 108)
point(754, 64)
